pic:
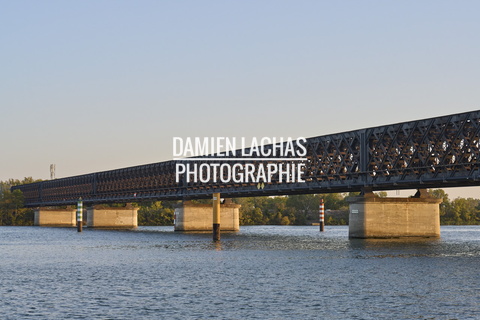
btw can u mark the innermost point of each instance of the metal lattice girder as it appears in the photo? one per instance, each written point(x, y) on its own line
point(430, 153)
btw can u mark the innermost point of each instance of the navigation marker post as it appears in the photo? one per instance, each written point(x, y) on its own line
point(322, 216)
point(216, 217)
point(79, 215)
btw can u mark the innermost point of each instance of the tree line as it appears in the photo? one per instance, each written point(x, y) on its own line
point(280, 210)
point(12, 211)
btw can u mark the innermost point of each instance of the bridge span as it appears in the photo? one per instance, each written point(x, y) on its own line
point(436, 152)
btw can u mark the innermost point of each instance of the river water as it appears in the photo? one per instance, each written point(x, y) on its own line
point(261, 272)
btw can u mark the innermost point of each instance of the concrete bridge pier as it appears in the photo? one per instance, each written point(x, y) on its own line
point(54, 217)
point(198, 217)
point(112, 217)
point(375, 217)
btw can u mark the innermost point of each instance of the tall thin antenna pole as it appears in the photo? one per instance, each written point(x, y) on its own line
point(52, 171)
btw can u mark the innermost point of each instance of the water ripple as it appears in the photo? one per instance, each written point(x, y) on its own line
point(266, 272)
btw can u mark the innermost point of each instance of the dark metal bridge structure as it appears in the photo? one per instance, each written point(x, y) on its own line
point(430, 153)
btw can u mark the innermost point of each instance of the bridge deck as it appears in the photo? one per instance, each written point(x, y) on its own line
point(429, 153)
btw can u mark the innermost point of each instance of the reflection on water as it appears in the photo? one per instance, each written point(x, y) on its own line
point(261, 272)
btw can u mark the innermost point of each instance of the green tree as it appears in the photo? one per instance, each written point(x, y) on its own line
point(465, 211)
point(334, 201)
point(12, 211)
point(439, 194)
point(446, 214)
point(157, 213)
point(251, 211)
point(274, 209)
point(285, 221)
point(304, 207)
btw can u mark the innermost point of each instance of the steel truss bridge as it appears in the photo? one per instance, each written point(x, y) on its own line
point(430, 153)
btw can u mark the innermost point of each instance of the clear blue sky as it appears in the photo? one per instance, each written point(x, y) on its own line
point(99, 85)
